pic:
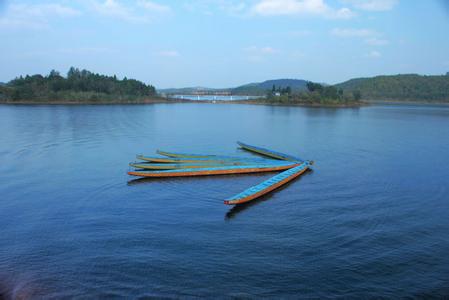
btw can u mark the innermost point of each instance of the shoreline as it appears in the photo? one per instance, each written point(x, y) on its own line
point(405, 102)
point(317, 105)
point(362, 103)
point(173, 101)
point(99, 102)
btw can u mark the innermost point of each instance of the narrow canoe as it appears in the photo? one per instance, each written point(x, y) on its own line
point(185, 155)
point(213, 171)
point(218, 159)
point(268, 185)
point(269, 153)
point(173, 166)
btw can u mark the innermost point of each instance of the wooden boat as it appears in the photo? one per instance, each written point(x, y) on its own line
point(173, 166)
point(214, 170)
point(268, 185)
point(269, 153)
point(186, 155)
point(217, 159)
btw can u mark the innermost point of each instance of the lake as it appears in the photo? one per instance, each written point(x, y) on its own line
point(370, 220)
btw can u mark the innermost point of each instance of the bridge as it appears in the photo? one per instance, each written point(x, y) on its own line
point(206, 93)
point(209, 94)
point(212, 93)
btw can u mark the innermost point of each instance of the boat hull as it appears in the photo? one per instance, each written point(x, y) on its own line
point(184, 155)
point(269, 153)
point(212, 171)
point(218, 160)
point(268, 185)
point(174, 166)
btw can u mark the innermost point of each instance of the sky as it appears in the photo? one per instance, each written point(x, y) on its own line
point(225, 43)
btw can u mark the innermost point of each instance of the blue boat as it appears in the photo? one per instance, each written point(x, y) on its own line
point(268, 185)
point(215, 170)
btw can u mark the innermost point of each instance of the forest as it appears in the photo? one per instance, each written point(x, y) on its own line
point(83, 86)
point(406, 87)
point(77, 86)
point(315, 94)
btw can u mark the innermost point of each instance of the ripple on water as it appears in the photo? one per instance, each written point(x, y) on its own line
point(369, 221)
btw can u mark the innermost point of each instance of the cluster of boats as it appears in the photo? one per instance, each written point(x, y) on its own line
point(171, 164)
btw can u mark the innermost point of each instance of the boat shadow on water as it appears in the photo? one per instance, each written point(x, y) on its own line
point(235, 210)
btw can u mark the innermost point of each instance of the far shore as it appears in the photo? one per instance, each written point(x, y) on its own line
point(91, 102)
point(176, 100)
point(161, 100)
point(303, 104)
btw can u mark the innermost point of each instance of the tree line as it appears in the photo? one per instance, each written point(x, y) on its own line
point(407, 87)
point(316, 93)
point(78, 85)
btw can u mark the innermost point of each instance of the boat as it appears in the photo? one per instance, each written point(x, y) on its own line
point(215, 170)
point(269, 153)
point(172, 166)
point(217, 159)
point(268, 185)
point(178, 159)
point(186, 155)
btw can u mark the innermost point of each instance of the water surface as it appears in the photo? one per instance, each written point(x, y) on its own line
point(371, 219)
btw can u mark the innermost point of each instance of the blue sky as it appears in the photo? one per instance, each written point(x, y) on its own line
point(225, 43)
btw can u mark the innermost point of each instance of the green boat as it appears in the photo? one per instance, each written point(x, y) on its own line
point(216, 159)
point(185, 155)
point(269, 153)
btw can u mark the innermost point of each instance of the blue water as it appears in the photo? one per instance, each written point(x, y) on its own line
point(370, 220)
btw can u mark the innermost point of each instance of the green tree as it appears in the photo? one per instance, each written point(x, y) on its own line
point(312, 87)
point(357, 95)
point(54, 73)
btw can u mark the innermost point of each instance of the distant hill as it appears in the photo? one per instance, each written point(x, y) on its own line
point(405, 87)
point(261, 88)
point(256, 88)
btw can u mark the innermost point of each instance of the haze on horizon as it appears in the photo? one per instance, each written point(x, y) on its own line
point(225, 43)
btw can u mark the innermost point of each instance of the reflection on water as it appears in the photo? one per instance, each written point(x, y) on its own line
point(369, 221)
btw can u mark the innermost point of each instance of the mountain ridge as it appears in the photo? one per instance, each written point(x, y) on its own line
point(296, 85)
point(253, 88)
point(401, 87)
